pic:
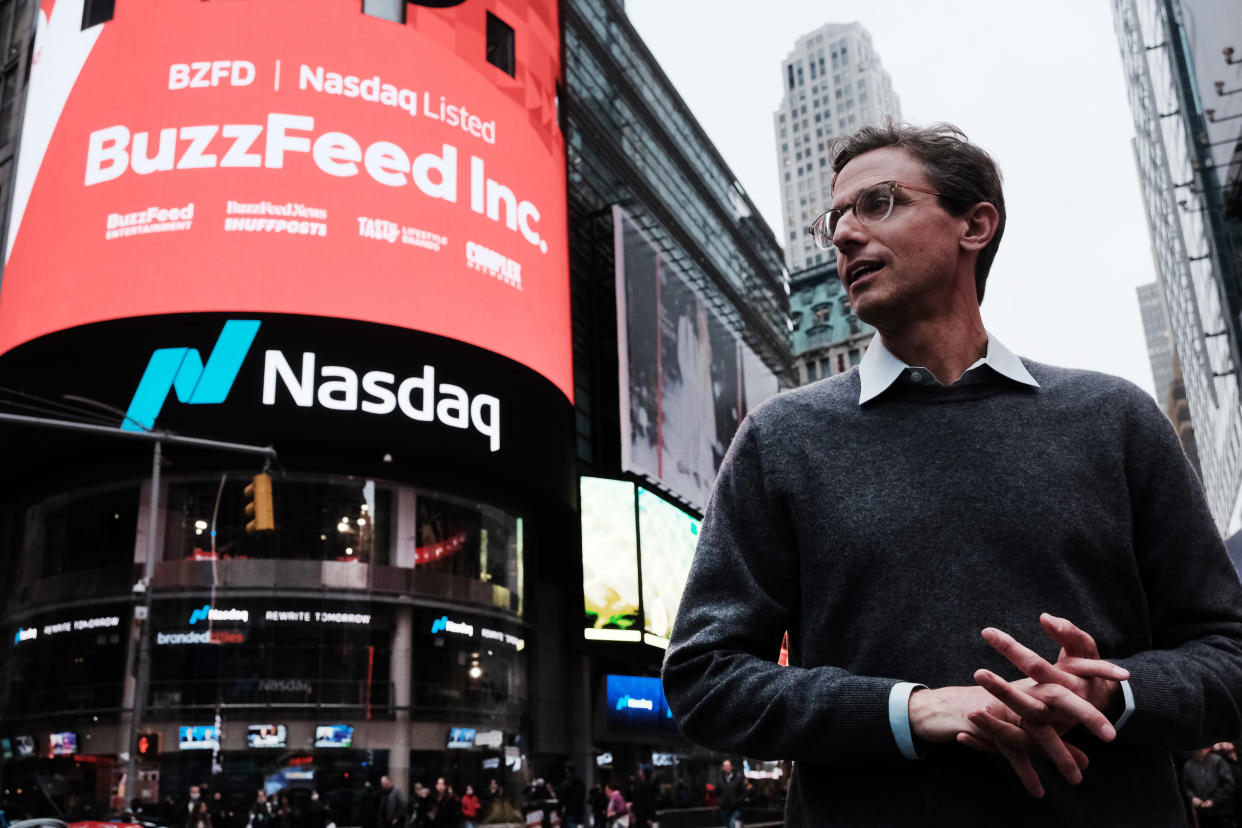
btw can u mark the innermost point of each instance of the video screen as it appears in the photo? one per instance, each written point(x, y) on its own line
point(636, 704)
point(63, 744)
point(609, 559)
point(265, 736)
point(461, 737)
point(199, 737)
point(668, 539)
point(334, 736)
point(687, 380)
point(24, 745)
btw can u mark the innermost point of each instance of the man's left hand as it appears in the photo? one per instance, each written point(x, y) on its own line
point(1074, 691)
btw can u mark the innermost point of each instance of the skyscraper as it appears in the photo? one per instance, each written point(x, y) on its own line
point(1159, 338)
point(1182, 73)
point(834, 83)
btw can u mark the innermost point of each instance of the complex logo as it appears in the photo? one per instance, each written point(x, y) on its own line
point(182, 370)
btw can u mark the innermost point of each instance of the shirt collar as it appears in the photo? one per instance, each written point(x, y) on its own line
point(879, 368)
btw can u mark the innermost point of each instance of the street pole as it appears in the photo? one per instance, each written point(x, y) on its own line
point(142, 675)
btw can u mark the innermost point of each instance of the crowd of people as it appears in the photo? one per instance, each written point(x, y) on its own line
point(632, 801)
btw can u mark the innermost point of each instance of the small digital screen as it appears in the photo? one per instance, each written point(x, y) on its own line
point(6, 748)
point(636, 704)
point(461, 737)
point(63, 744)
point(662, 760)
point(24, 745)
point(265, 736)
point(199, 737)
point(604, 760)
point(334, 736)
point(753, 769)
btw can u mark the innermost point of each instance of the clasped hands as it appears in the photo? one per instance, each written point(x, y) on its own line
point(1021, 717)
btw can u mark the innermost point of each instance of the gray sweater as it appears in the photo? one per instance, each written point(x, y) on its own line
point(885, 537)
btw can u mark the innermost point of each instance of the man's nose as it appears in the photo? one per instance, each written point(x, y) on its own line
point(848, 232)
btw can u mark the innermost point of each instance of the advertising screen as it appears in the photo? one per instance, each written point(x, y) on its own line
point(686, 379)
point(63, 744)
point(334, 736)
point(461, 737)
point(609, 559)
point(187, 157)
point(635, 704)
point(668, 537)
point(25, 746)
point(199, 737)
point(265, 736)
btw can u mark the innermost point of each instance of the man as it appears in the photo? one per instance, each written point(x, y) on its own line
point(392, 805)
point(996, 575)
point(732, 790)
point(572, 795)
point(617, 808)
point(1208, 784)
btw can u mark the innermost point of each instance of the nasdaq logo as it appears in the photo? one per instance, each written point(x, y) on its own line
point(182, 370)
point(209, 613)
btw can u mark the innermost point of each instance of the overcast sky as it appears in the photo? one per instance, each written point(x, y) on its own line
point(1040, 86)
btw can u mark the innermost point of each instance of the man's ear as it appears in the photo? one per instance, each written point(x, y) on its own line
point(981, 222)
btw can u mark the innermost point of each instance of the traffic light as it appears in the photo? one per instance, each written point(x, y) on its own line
point(259, 504)
point(148, 744)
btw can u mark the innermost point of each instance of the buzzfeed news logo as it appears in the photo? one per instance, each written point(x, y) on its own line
point(336, 387)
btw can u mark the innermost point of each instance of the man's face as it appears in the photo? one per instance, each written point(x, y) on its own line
point(386, 783)
point(195, 793)
point(916, 248)
point(726, 766)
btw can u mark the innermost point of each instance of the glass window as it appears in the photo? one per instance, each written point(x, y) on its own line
point(500, 48)
point(393, 10)
point(331, 519)
point(85, 530)
point(95, 12)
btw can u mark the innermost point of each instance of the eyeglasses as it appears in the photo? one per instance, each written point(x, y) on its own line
point(872, 206)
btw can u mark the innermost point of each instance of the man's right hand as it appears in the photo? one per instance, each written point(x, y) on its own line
point(973, 715)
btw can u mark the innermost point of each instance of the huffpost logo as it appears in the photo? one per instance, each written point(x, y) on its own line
point(182, 370)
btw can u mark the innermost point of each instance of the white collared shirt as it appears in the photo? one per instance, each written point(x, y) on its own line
point(880, 368)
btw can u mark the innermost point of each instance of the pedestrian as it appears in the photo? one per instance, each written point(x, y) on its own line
point(1208, 783)
point(200, 818)
point(617, 813)
point(221, 817)
point(423, 806)
point(447, 808)
point(572, 796)
point(316, 814)
point(642, 799)
point(470, 807)
point(730, 791)
point(392, 805)
point(992, 571)
point(188, 809)
point(598, 801)
point(259, 816)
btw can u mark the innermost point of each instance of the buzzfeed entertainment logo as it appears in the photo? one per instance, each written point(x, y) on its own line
point(150, 220)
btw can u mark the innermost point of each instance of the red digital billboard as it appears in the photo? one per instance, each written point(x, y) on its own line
point(246, 156)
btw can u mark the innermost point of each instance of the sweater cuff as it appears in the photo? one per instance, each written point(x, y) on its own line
point(899, 717)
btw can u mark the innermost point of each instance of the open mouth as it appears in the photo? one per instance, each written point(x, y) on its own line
point(861, 271)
